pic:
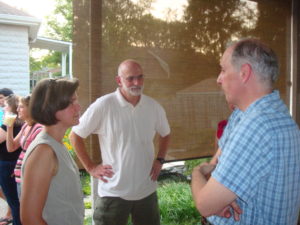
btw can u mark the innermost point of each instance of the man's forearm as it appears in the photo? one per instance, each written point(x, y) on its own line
point(80, 149)
point(163, 146)
point(199, 179)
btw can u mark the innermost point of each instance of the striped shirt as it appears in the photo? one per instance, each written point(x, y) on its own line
point(25, 141)
point(260, 163)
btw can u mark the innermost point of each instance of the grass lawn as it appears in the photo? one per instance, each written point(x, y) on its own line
point(176, 204)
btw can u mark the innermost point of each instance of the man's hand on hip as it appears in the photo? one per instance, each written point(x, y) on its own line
point(155, 171)
point(100, 171)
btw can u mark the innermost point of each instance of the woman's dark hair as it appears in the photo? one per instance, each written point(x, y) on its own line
point(12, 101)
point(50, 96)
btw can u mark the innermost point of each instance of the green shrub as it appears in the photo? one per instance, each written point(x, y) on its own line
point(68, 145)
point(87, 205)
point(85, 179)
point(88, 220)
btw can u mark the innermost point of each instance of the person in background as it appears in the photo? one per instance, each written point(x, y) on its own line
point(8, 161)
point(29, 131)
point(260, 162)
point(219, 133)
point(4, 92)
point(51, 189)
point(126, 122)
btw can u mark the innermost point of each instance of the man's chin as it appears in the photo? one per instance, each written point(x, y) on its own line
point(136, 93)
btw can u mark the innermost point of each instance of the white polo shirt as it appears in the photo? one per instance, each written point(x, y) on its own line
point(126, 136)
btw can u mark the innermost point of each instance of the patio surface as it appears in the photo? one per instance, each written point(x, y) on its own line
point(3, 207)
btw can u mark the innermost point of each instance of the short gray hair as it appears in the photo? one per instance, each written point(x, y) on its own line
point(262, 59)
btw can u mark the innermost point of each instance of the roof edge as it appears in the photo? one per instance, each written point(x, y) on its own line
point(51, 44)
point(31, 22)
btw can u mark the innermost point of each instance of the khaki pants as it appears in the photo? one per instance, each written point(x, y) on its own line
point(116, 211)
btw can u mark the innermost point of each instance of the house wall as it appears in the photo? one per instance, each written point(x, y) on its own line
point(14, 58)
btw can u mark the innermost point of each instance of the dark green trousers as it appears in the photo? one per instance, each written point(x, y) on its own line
point(116, 211)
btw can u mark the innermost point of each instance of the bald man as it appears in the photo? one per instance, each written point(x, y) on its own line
point(126, 122)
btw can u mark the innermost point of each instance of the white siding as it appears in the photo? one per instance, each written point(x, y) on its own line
point(14, 58)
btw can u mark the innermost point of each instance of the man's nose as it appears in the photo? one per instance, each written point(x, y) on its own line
point(136, 81)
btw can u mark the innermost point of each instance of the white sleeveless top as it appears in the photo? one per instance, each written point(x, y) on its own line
point(64, 204)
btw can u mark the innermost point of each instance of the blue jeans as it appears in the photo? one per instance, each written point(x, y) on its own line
point(9, 188)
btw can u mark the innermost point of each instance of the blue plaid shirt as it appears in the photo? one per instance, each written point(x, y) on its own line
point(260, 163)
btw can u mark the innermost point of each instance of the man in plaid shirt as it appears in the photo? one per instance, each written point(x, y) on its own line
point(257, 178)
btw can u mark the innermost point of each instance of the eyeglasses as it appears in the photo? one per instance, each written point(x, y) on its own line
point(132, 78)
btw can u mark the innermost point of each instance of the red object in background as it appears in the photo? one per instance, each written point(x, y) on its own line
point(221, 126)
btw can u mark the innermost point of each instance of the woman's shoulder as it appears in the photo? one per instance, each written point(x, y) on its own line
point(36, 128)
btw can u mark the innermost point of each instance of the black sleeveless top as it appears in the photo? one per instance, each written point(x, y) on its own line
point(4, 154)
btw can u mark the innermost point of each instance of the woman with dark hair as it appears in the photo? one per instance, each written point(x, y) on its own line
point(29, 131)
point(51, 189)
point(8, 160)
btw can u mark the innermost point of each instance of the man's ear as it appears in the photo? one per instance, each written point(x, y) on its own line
point(246, 72)
point(118, 80)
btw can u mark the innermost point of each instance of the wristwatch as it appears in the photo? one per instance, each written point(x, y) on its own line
point(161, 160)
